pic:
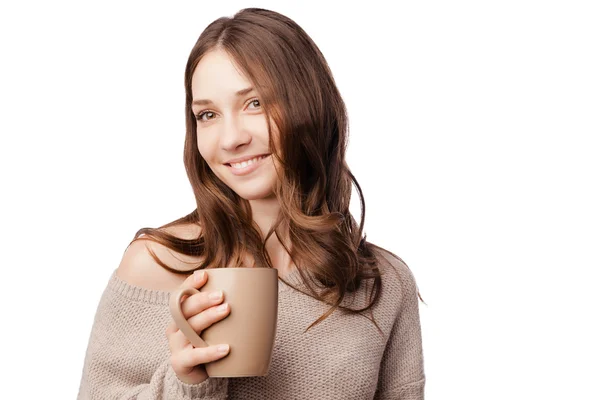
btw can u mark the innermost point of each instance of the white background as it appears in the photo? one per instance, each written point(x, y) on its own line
point(474, 132)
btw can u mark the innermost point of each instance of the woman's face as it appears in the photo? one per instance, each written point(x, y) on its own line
point(231, 125)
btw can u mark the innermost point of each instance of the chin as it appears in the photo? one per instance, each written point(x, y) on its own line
point(254, 190)
point(255, 195)
point(259, 188)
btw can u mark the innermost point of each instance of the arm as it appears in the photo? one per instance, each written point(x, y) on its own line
point(128, 358)
point(401, 374)
point(163, 385)
point(128, 354)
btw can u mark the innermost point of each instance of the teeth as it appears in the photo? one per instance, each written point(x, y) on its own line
point(244, 164)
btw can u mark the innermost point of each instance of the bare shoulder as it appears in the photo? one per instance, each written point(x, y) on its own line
point(138, 267)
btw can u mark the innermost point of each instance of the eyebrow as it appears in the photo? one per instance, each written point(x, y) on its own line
point(239, 93)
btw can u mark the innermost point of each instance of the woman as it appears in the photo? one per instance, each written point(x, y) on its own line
point(265, 154)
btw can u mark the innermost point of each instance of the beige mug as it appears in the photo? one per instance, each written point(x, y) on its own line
point(249, 329)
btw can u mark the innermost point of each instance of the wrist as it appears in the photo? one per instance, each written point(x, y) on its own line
point(193, 378)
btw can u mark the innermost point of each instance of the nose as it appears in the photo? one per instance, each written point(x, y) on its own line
point(234, 134)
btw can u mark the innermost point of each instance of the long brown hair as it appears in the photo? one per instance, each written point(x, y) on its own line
point(298, 94)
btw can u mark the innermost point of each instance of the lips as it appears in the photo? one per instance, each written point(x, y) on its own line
point(248, 168)
point(242, 159)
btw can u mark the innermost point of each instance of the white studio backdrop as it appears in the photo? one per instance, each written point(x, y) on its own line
point(474, 132)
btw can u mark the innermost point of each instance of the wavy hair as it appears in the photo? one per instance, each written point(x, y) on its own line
point(298, 94)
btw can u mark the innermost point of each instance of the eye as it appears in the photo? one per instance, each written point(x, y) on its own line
point(254, 101)
point(202, 114)
point(211, 115)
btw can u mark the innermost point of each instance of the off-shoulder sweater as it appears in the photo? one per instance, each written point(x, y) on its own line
point(343, 357)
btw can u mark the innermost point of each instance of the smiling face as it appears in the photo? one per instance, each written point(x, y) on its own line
point(231, 126)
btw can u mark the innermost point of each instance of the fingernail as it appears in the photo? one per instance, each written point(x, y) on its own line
point(222, 307)
point(198, 275)
point(215, 295)
point(223, 348)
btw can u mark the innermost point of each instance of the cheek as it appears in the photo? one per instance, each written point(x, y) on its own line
point(208, 159)
point(205, 148)
point(201, 150)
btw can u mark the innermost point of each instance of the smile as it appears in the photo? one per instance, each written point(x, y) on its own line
point(246, 167)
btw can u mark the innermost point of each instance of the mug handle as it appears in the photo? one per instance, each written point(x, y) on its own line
point(180, 321)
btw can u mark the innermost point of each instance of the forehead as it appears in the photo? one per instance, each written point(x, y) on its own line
point(217, 75)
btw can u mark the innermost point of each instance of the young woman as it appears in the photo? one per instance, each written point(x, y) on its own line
point(266, 134)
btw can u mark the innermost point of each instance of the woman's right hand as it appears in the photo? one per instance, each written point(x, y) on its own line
point(201, 311)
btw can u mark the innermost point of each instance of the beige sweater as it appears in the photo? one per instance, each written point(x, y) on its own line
point(343, 357)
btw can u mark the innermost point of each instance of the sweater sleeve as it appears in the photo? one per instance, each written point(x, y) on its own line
point(128, 355)
point(401, 373)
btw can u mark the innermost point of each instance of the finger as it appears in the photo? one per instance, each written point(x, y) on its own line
point(199, 322)
point(195, 356)
point(211, 315)
point(196, 279)
point(178, 342)
point(171, 328)
point(199, 302)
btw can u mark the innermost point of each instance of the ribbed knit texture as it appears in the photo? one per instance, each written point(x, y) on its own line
point(344, 357)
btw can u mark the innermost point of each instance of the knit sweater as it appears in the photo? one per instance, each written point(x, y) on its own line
point(343, 357)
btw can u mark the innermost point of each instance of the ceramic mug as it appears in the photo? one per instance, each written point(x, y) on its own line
point(249, 329)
